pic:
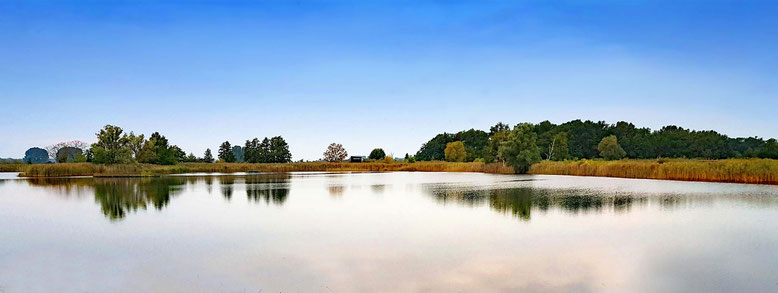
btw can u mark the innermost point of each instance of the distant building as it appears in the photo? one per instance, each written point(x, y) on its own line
point(357, 159)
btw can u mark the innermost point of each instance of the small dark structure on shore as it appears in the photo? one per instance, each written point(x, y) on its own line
point(357, 159)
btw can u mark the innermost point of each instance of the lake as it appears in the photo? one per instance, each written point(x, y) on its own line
point(385, 232)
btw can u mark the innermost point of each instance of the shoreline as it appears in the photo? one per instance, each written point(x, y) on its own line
point(747, 171)
point(148, 170)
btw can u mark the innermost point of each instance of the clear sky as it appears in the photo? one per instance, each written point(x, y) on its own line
point(378, 74)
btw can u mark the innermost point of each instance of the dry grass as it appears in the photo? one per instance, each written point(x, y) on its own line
point(757, 171)
point(88, 169)
point(10, 167)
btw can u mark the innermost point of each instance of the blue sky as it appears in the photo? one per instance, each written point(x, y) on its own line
point(378, 74)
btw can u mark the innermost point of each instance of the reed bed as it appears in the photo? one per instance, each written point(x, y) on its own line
point(129, 170)
point(755, 171)
point(10, 167)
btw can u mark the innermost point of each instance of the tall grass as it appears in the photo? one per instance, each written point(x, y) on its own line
point(87, 169)
point(10, 167)
point(758, 171)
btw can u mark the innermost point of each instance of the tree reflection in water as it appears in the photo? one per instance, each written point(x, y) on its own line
point(117, 196)
point(226, 183)
point(272, 187)
point(521, 201)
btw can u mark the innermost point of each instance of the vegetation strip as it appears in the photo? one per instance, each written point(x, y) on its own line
point(755, 171)
point(115, 170)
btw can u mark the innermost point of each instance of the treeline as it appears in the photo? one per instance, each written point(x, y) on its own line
point(587, 140)
point(273, 150)
point(114, 146)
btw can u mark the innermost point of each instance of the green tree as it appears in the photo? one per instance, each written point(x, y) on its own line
point(769, 149)
point(455, 152)
point(191, 158)
point(238, 152)
point(495, 141)
point(225, 152)
point(251, 151)
point(377, 154)
point(68, 154)
point(278, 151)
point(610, 149)
point(208, 157)
point(135, 142)
point(558, 148)
point(35, 155)
point(112, 146)
point(434, 150)
point(520, 149)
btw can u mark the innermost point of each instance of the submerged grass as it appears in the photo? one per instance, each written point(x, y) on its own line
point(756, 171)
point(88, 169)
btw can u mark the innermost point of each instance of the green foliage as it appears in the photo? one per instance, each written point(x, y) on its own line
point(191, 158)
point(279, 151)
point(68, 154)
point(80, 158)
point(559, 149)
point(112, 146)
point(583, 137)
point(610, 149)
point(769, 149)
point(520, 150)
point(497, 139)
point(377, 154)
point(475, 142)
point(35, 155)
point(225, 152)
point(238, 152)
point(434, 150)
point(455, 152)
point(208, 157)
point(274, 150)
point(135, 143)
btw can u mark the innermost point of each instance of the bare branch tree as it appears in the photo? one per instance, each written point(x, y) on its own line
point(335, 152)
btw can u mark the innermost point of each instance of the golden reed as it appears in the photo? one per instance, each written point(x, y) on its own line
point(756, 171)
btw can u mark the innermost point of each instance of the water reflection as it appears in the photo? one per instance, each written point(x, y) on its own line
point(404, 232)
point(226, 184)
point(118, 197)
point(268, 187)
point(522, 201)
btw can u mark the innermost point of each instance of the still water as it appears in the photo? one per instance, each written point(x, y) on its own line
point(385, 232)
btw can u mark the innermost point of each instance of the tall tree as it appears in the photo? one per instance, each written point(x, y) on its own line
point(610, 149)
point(112, 146)
point(208, 157)
point(335, 153)
point(35, 155)
point(377, 154)
point(520, 150)
point(68, 154)
point(455, 152)
point(279, 150)
point(238, 152)
point(225, 152)
point(135, 143)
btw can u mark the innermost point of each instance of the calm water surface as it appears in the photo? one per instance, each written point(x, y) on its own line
point(385, 232)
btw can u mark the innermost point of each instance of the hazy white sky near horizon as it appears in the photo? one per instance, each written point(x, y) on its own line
point(379, 74)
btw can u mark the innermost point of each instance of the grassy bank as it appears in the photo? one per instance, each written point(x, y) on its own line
point(88, 169)
point(757, 171)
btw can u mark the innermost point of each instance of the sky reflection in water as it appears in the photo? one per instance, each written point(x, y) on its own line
point(386, 232)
